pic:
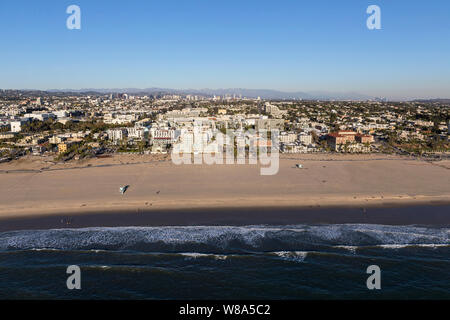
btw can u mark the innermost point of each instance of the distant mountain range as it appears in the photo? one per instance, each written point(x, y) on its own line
point(248, 93)
point(442, 101)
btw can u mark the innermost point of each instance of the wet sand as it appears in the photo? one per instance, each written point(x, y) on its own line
point(437, 215)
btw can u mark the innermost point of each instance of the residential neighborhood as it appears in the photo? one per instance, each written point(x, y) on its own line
point(65, 126)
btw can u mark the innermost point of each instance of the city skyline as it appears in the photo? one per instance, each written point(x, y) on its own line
point(289, 47)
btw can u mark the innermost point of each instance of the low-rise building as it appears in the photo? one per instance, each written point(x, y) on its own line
point(16, 126)
point(117, 134)
point(364, 138)
point(305, 139)
point(349, 141)
point(6, 135)
point(287, 137)
point(63, 147)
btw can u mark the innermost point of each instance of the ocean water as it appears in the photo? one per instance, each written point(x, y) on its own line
point(225, 262)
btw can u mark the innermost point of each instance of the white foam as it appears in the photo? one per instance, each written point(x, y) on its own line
point(220, 257)
point(433, 245)
point(352, 249)
point(393, 246)
point(348, 236)
point(195, 255)
point(422, 245)
point(298, 256)
point(44, 249)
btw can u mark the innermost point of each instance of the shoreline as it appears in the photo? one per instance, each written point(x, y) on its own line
point(425, 214)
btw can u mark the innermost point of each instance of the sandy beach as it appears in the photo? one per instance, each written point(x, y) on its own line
point(37, 187)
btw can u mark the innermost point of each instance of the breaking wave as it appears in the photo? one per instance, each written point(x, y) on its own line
point(297, 256)
point(227, 239)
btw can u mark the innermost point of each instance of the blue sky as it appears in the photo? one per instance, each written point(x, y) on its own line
point(321, 45)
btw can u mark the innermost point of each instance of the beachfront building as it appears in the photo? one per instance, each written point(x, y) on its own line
point(364, 138)
point(297, 148)
point(63, 147)
point(167, 136)
point(293, 148)
point(135, 132)
point(336, 139)
point(305, 139)
point(197, 143)
point(38, 149)
point(349, 141)
point(163, 138)
point(117, 134)
point(287, 137)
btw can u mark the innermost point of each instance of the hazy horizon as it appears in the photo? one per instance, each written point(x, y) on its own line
point(316, 94)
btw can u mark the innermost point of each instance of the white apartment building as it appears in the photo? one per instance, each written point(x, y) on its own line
point(274, 110)
point(117, 134)
point(61, 114)
point(39, 116)
point(119, 118)
point(137, 133)
point(166, 135)
point(287, 137)
point(293, 148)
point(16, 126)
point(56, 139)
point(200, 142)
point(305, 139)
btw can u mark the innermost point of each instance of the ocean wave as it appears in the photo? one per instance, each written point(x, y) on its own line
point(297, 256)
point(352, 249)
point(45, 249)
point(414, 245)
point(226, 239)
point(195, 255)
